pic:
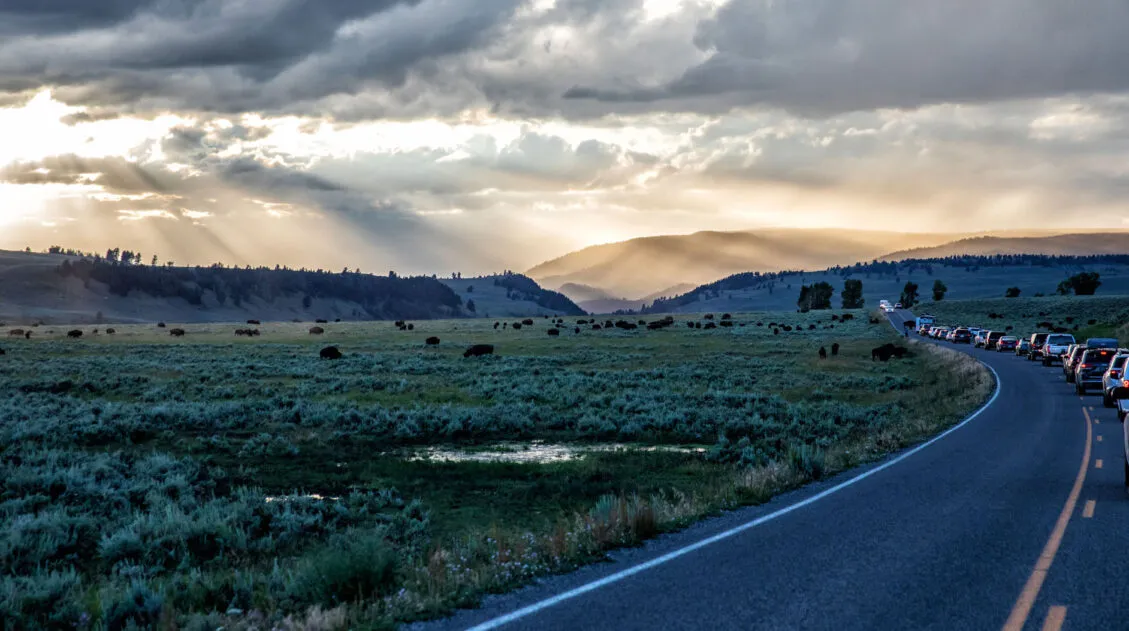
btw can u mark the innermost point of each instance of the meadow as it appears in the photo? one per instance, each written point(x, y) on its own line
point(1083, 316)
point(211, 480)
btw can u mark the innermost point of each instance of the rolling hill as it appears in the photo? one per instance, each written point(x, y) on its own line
point(1057, 245)
point(748, 292)
point(641, 267)
point(57, 288)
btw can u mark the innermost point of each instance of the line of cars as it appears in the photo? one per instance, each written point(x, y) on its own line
point(1098, 363)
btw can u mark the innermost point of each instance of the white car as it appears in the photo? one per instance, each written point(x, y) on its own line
point(898, 306)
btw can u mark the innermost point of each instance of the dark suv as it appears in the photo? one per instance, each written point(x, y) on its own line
point(993, 337)
point(1037, 342)
point(1070, 361)
point(962, 336)
point(1091, 367)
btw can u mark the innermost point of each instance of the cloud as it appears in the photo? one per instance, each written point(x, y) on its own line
point(824, 57)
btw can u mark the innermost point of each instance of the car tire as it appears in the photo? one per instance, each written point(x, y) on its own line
point(1107, 401)
point(1079, 389)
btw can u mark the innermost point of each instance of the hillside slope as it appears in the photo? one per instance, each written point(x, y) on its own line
point(1080, 244)
point(640, 267)
point(748, 292)
point(53, 288)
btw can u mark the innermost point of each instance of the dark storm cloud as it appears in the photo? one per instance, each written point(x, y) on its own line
point(826, 56)
point(228, 56)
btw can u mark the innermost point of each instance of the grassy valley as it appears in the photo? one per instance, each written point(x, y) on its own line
point(213, 480)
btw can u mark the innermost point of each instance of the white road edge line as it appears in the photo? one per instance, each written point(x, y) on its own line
point(529, 610)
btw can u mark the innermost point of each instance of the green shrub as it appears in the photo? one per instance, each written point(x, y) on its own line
point(353, 567)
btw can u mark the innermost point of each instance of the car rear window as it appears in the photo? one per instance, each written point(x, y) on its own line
point(1119, 362)
point(1040, 338)
point(1060, 339)
point(995, 334)
point(1098, 357)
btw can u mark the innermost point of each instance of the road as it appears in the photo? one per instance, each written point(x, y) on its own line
point(1014, 520)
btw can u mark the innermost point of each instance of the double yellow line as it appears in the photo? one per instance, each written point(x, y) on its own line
point(1022, 609)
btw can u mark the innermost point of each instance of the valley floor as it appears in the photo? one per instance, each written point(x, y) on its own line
point(212, 480)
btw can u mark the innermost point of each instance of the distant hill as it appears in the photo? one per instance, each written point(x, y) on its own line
point(57, 288)
point(509, 295)
point(967, 277)
point(584, 293)
point(612, 305)
point(1058, 245)
point(640, 267)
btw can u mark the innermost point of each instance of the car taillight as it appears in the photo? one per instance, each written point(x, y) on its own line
point(1116, 374)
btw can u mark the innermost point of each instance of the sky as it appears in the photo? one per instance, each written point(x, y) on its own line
point(432, 136)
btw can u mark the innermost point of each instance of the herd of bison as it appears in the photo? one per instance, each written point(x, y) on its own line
point(557, 325)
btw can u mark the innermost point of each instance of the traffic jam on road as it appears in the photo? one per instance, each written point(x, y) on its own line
point(1097, 364)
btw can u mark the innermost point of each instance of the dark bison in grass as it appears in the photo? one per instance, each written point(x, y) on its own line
point(176, 332)
point(516, 326)
point(478, 350)
point(432, 341)
point(160, 325)
point(16, 333)
point(835, 349)
point(847, 316)
point(253, 322)
point(110, 331)
point(330, 352)
point(554, 332)
point(709, 325)
point(75, 333)
point(2, 352)
point(886, 351)
point(528, 322)
point(822, 353)
point(321, 321)
point(316, 330)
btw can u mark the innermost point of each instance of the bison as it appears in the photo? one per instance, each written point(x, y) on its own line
point(709, 325)
point(74, 333)
point(432, 341)
point(253, 322)
point(708, 316)
point(27, 335)
point(576, 330)
point(176, 332)
point(330, 352)
point(847, 316)
point(2, 351)
point(495, 326)
point(776, 331)
point(822, 353)
point(516, 326)
point(554, 332)
point(528, 321)
point(110, 331)
point(16, 333)
point(160, 325)
point(888, 350)
point(726, 316)
point(835, 349)
point(478, 350)
point(726, 323)
point(321, 321)
point(316, 330)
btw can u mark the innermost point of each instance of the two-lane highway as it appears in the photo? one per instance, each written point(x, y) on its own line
point(1014, 520)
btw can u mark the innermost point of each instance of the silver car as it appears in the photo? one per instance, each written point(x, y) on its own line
point(1114, 377)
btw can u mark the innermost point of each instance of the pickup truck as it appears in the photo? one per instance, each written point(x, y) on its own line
point(1055, 346)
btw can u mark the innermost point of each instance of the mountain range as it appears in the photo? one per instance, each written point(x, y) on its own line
point(638, 270)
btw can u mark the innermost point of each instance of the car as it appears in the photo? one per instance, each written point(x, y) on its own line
point(1037, 340)
point(1092, 364)
point(1023, 349)
point(898, 305)
point(1113, 377)
point(1055, 345)
point(1006, 343)
point(1101, 342)
point(991, 339)
point(980, 338)
point(1070, 361)
point(962, 336)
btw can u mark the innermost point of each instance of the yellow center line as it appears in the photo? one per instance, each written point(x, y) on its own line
point(1098, 463)
point(1055, 617)
point(1022, 608)
point(1088, 509)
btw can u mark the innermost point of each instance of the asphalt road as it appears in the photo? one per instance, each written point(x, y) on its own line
point(1017, 519)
